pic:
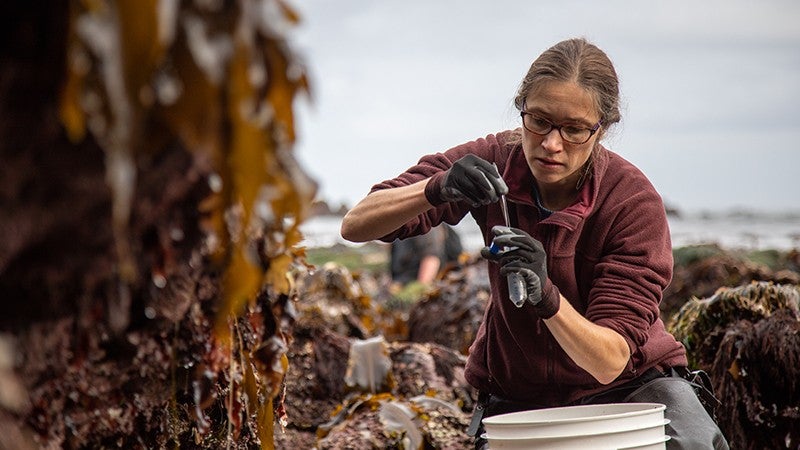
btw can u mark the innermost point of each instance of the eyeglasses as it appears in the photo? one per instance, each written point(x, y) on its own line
point(570, 133)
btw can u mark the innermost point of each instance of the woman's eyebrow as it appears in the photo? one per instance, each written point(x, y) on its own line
point(569, 120)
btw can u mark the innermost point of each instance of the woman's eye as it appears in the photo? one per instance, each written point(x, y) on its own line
point(539, 122)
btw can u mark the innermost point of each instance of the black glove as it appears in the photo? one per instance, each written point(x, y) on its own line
point(474, 180)
point(522, 254)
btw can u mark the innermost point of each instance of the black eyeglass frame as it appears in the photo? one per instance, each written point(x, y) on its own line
point(592, 130)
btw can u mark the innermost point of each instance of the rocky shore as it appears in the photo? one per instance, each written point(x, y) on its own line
point(427, 336)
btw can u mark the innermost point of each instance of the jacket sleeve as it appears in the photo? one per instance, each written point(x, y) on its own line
point(630, 278)
point(433, 166)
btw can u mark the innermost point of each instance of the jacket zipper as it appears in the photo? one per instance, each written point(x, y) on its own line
point(550, 366)
point(488, 343)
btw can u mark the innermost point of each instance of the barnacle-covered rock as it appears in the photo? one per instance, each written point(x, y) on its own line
point(446, 429)
point(314, 385)
point(386, 422)
point(425, 368)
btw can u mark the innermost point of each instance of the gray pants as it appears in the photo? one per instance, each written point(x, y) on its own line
point(690, 426)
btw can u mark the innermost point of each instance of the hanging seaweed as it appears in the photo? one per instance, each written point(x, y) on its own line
point(154, 219)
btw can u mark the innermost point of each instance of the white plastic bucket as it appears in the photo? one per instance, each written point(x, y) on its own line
point(658, 444)
point(606, 426)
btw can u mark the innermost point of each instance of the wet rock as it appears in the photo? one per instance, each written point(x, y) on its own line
point(318, 400)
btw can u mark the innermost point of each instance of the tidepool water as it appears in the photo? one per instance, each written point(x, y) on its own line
point(779, 231)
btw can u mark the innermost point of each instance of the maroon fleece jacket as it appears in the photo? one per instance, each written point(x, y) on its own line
point(609, 253)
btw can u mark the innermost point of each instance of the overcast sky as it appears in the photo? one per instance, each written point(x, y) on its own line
point(710, 89)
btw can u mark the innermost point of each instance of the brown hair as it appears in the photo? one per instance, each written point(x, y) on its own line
point(581, 62)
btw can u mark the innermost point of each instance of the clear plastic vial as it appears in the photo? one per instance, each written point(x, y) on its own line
point(516, 289)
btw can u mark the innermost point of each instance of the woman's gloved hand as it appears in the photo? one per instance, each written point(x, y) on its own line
point(470, 179)
point(521, 253)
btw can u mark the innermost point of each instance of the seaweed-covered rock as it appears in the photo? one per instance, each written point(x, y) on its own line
point(748, 339)
point(702, 269)
point(330, 296)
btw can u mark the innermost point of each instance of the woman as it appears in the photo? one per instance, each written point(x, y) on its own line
point(588, 236)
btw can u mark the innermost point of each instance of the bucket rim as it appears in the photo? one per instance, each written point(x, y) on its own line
point(503, 420)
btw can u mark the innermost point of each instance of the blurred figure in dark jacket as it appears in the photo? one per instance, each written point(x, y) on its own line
point(421, 258)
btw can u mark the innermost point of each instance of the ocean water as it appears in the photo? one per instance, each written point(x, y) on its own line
point(780, 231)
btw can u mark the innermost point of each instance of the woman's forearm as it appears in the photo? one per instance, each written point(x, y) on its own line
point(598, 350)
point(384, 211)
point(428, 269)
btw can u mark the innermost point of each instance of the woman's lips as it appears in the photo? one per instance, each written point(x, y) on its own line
point(548, 163)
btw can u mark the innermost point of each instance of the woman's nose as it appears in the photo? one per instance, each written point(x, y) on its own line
point(553, 141)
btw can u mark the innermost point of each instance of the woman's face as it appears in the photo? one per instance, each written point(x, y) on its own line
point(556, 163)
